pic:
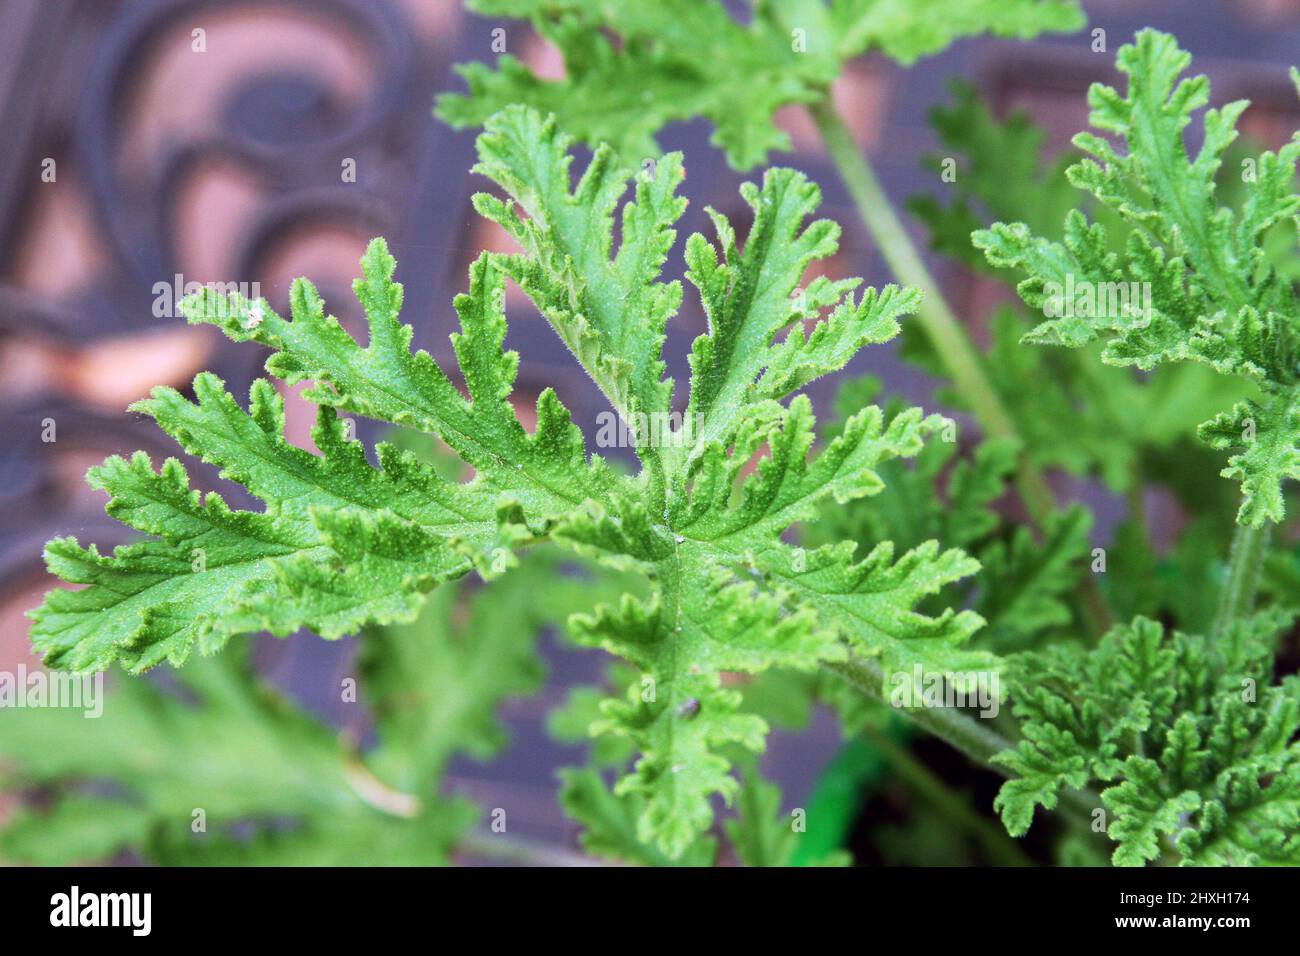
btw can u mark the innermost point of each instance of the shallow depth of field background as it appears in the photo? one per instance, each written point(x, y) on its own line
point(227, 166)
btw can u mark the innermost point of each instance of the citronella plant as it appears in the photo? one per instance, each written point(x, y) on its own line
point(750, 564)
point(342, 544)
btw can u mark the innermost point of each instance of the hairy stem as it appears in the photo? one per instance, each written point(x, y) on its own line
point(963, 733)
point(1237, 599)
point(942, 328)
point(1000, 847)
point(949, 724)
point(935, 315)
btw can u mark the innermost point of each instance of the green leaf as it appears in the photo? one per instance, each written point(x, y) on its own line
point(749, 297)
point(341, 544)
point(632, 68)
point(698, 528)
point(1026, 584)
point(1195, 280)
point(1198, 745)
point(941, 496)
point(610, 823)
point(1119, 419)
point(610, 311)
point(434, 685)
point(761, 835)
point(1000, 171)
point(75, 829)
point(764, 836)
point(545, 473)
point(1269, 434)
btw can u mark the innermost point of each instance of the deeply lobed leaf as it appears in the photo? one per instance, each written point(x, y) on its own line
point(1198, 744)
point(631, 67)
point(342, 544)
point(1195, 280)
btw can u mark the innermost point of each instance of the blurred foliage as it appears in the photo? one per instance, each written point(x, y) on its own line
point(274, 784)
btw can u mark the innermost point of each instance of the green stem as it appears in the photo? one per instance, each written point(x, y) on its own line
point(942, 327)
point(936, 317)
point(949, 724)
point(1237, 599)
point(996, 843)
